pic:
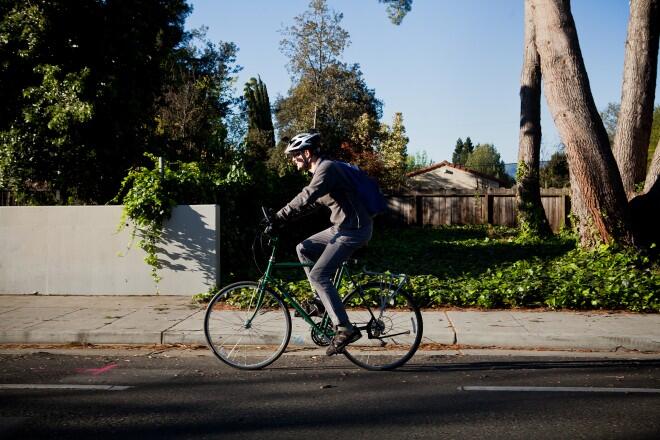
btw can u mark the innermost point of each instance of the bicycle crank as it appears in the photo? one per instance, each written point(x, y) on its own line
point(319, 337)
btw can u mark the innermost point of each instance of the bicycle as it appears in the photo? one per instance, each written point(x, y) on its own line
point(248, 323)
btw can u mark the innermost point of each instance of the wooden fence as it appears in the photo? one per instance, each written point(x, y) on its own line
point(495, 206)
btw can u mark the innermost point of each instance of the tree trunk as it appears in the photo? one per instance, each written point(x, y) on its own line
point(654, 171)
point(645, 208)
point(531, 215)
point(633, 131)
point(591, 162)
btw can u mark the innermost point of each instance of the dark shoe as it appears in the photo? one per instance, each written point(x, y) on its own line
point(342, 339)
point(313, 307)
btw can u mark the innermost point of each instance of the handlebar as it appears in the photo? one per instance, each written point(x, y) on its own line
point(268, 215)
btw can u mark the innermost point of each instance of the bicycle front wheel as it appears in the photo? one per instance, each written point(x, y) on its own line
point(241, 335)
point(391, 326)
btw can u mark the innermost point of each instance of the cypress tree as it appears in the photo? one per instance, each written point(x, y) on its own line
point(456, 158)
point(468, 149)
point(260, 136)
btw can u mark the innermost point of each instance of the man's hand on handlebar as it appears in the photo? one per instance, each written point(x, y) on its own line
point(272, 222)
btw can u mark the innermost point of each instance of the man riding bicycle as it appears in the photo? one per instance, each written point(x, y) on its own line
point(351, 229)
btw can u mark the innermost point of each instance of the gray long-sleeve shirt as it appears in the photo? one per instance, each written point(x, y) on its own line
point(330, 187)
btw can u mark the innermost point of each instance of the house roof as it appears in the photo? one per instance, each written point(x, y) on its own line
point(445, 163)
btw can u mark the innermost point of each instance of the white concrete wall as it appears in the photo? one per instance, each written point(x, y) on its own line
point(75, 250)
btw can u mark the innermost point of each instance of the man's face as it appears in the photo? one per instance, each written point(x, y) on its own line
point(300, 159)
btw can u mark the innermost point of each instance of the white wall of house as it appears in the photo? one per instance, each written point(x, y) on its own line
point(447, 177)
point(76, 250)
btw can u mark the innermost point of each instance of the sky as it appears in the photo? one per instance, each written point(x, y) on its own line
point(452, 68)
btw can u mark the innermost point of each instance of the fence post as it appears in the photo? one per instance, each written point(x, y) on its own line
point(490, 201)
point(419, 210)
point(567, 206)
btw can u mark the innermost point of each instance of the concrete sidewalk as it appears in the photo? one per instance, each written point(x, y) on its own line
point(31, 319)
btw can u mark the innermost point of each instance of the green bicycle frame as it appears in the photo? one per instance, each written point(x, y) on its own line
point(268, 280)
point(342, 272)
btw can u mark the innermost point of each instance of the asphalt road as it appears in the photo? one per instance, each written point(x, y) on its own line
point(167, 395)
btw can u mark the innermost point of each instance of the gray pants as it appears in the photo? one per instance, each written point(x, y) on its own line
point(327, 250)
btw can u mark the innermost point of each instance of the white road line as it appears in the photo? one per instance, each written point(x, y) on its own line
point(40, 386)
point(563, 389)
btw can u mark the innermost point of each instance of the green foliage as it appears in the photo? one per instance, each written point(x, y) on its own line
point(418, 161)
point(532, 221)
point(486, 159)
point(489, 267)
point(393, 152)
point(462, 151)
point(260, 139)
point(345, 99)
point(364, 135)
point(397, 9)
point(314, 42)
point(555, 173)
point(458, 150)
point(197, 100)
point(327, 94)
point(77, 110)
point(40, 145)
point(522, 170)
point(610, 117)
point(149, 194)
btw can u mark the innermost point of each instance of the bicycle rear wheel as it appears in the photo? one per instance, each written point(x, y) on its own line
point(391, 326)
point(240, 337)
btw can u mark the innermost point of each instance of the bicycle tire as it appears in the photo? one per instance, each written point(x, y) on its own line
point(243, 345)
point(391, 326)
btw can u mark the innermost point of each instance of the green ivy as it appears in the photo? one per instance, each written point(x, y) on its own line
point(149, 194)
point(491, 267)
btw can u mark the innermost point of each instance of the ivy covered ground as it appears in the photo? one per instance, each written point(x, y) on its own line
point(488, 267)
point(481, 266)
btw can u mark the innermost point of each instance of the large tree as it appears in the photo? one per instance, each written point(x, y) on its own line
point(599, 200)
point(118, 77)
point(458, 153)
point(326, 94)
point(531, 214)
point(638, 92)
point(196, 100)
point(393, 151)
point(486, 159)
point(462, 151)
point(361, 148)
point(314, 44)
point(260, 139)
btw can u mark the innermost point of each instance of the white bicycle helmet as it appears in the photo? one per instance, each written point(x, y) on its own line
point(303, 141)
